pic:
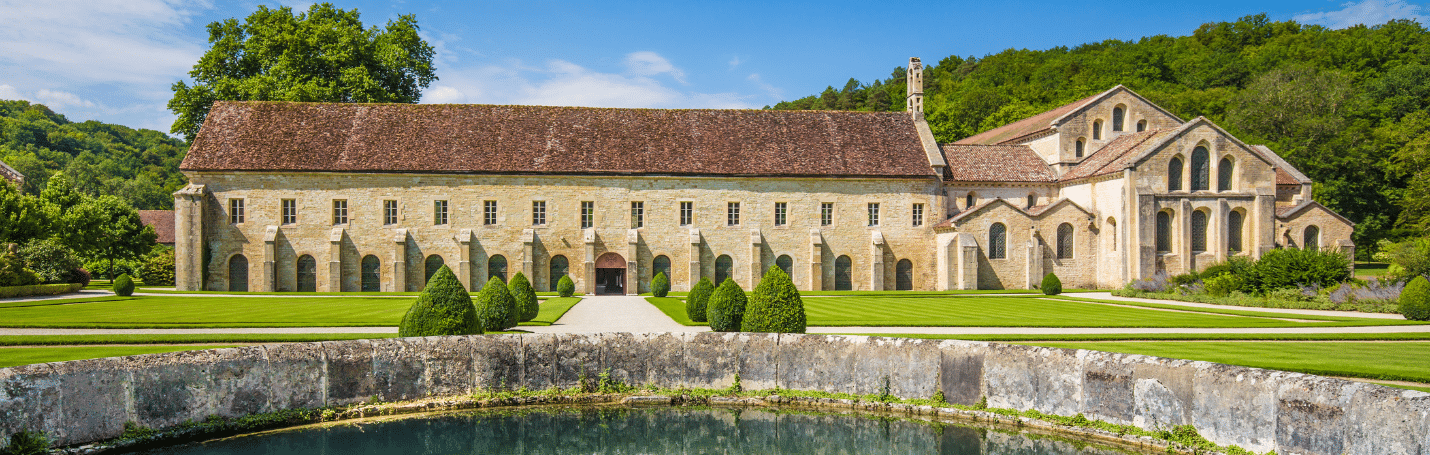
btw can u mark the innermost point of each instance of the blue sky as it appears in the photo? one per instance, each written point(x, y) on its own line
point(114, 60)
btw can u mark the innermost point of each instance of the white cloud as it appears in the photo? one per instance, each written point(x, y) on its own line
point(1367, 12)
point(773, 91)
point(734, 62)
point(10, 93)
point(131, 41)
point(442, 94)
point(56, 99)
point(646, 63)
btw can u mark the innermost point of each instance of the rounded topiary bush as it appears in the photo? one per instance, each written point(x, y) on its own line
point(525, 297)
point(1415, 300)
point(496, 309)
point(1051, 284)
point(659, 285)
point(775, 305)
point(695, 302)
point(124, 286)
point(443, 308)
point(565, 287)
point(726, 308)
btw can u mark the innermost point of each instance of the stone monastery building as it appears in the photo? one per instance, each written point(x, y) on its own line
point(377, 197)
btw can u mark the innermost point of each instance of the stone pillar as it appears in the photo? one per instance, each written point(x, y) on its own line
point(588, 268)
point(335, 260)
point(189, 238)
point(1184, 234)
point(1263, 222)
point(1348, 248)
point(399, 261)
point(696, 270)
point(464, 258)
point(967, 261)
point(528, 254)
point(633, 278)
point(946, 260)
point(816, 260)
point(268, 282)
point(1034, 260)
point(1218, 225)
point(876, 261)
point(757, 262)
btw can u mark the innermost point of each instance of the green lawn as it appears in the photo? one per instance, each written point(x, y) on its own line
point(71, 340)
point(10, 357)
point(673, 307)
point(1367, 270)
point(1389, 361)
point(552, 309)
point(1406, 336)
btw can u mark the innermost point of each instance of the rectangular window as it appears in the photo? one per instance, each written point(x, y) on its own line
point(732, 214)
point(781, 213)
point(918, 215)
point(489, 213)
point(687, 213)
point(826, 213)
point(637, 214)
point(538, 213)
point(340, 211)
point(235, 211)
point(588, 214)
point(389, 212)
point(439, 213)
point(290, 211)
point(873, 213)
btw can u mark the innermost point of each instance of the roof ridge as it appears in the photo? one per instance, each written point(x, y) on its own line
point(547, 106)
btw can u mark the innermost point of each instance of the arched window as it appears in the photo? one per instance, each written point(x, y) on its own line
point(1081, 147)
point(371, 274)
point(1223, 174)
point(969, 200)
point(559, 267)
point(433, 264)
point(785, 263)
point(1065, 241)
point(997, 241)
point(1112, 229)
point(238, 273)
point(660, 264)
point(1032, 200)
point(1141, 126)
point(1097, 130)
point(1164, 232)
point(1174, 174)
point(1199, 231)
point(1118, 118)
point(843, 274)
point(307, 274)
point(724, 268)
point(496, 267)
point(904, 275)
point(1311, 239)
point(1233, 231)
point(1201, 169)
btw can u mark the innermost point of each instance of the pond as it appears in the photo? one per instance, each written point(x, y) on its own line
point(606, 430)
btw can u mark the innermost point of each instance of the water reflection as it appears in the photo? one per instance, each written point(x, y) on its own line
point(638, 431)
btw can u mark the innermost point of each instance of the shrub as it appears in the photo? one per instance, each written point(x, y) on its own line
point(38, 289)
point(1415, 300)
point(1185, 279)
point(14, 273)
point(496, 309)
point(1223, 285)
point(50, 260)
point(80, 276)
point(1407, 259)
point(443, 308)
point(565, 287)
point(659, 285)
point(28, 443)
point(100, 267)
point(123, 286)
point(525, 297)
point(1158, 282)
point(1051, 284)
point(726, 308)
point(1293, 268)
point(158, 268)
point(696, 302)
point(775, 305)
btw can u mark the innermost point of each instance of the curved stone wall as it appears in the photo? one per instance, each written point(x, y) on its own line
point(1260, 410)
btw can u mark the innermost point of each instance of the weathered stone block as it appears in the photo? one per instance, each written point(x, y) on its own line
point(93, 399)
point(759, 359)
point(1236, 405)
point(961, 371)
point(712, 359)
point(398, 368)
point(826, 363)
point(1109, 387)
point(625, 356)
point(666, 359)
point(1164, 392)
point(1381, 420)
point(298, 372)
point(1311, 414)
point(349, 371)
point(449, 364)
point(538, 360)
point(1026, 377)
point(30, 399)
point(497, 363)
point(578, 359)
point(909, 367)
point(171, 388)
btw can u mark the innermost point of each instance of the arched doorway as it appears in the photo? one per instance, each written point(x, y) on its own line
point(904, 275)
point(785, 263)
point(433, 264)
point(724, 268)
point(611, 274)
point(660, 264)
point(559, 268)
point(496, 267)
point(307, 274)
point(238, 273)
point(843, 274)
point(371, 274)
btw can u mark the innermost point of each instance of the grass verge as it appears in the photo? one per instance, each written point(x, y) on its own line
point(70, 340)
point(10, 357)
point(1177, 337)
point(675, 308)
point(1403, 361)
point(552, 309)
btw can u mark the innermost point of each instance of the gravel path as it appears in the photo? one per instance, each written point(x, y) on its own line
point(623, 313)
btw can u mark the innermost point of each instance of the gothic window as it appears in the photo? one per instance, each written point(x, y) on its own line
point(238, 273)
point(1081, 147)
point(307, 274)
point(1097, 130)
point(843, 274)
point(1311, 239)
point(371, 274)
point(1233, 231)
point(496, 267)
point(1118, 118)
point(1201, 169)
point(904, 275)
point(1164, 232)
point(1223, 174)
point(1032, 200)
point(998, 241)
point(968, 201)
point(1174, 174)
point(1199, 231)
point(559, 267)
point(1065, 241)
point(432, 265)
point(724, 269)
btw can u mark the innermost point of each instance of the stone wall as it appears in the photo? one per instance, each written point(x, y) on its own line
point(1260, 410)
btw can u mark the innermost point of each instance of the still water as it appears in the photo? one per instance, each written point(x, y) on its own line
point(637, 431)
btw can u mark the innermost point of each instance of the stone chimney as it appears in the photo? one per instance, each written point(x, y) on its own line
point(915, 76)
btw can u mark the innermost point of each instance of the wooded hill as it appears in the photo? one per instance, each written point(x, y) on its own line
point(1348, 107)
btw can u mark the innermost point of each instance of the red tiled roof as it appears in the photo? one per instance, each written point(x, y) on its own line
point(996, 163)
point(1113, 157)
point(1283, 178)
point(163, 223)
point(328, 137)
point(1024, 127)
point(9, 173)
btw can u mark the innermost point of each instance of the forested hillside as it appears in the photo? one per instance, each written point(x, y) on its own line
point(140, 166)
point(1348, 107)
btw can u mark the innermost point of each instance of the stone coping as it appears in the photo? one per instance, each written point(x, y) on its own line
point(84, 401)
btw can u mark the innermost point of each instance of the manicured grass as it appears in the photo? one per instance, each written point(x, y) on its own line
point(552, 309)
point(905, 293)
point(340, 294)
point(675, 308)
point(70, 340)
point(10, 357)
point(65, 301)
point(1389, 361)
point(1271, 313)
point(1408, 336)
point(1367, 270)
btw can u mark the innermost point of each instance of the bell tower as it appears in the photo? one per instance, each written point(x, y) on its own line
point(915, 97)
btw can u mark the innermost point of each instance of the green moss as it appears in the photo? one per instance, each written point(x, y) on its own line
point(443, 308)
point(775, 306)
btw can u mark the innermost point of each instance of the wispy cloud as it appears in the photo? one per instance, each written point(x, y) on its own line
point(1367, 12)
point(646, 63)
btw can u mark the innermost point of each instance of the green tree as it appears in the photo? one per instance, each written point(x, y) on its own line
point(565, 287)
point(775, 306)
point(443, 308)
point(50, 260)
point(106, 228)
point(726, 309)
point(696, 300)
point(325, 54)
point(23, 217)
point(158, 267)
point(659, 285)
point(496, 309)
point(525, 297)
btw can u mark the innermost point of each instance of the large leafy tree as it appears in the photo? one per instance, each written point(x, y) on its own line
point(323, 55)
point(22, 217)
point(107, 228)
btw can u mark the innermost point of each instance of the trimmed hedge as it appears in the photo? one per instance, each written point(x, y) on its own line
point(726, 308)
point(659, 285)
point(525, 296)
point(1415, 300)
point(443, 308)
point(124, 286)
point(696, 301)
point(1292, 268)
point(565, 287)
point(775, 306)
point(158, 268)
point(1051, 284)
point(496, 309)
point(39, 289)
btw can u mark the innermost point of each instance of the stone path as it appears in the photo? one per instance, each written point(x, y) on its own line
point(599, 314)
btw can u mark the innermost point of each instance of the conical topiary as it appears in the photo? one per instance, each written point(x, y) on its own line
point(565, 287)
point(659, 285)
point(1051, 284)
point(726, 308)
point(695, 302)
point(496, 309)
point(124, 286)
point(775, 305)
point(525, 297)
point(1415, 300)
point(443, 308)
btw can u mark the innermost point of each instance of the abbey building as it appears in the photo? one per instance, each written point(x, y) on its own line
point(377, 197)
